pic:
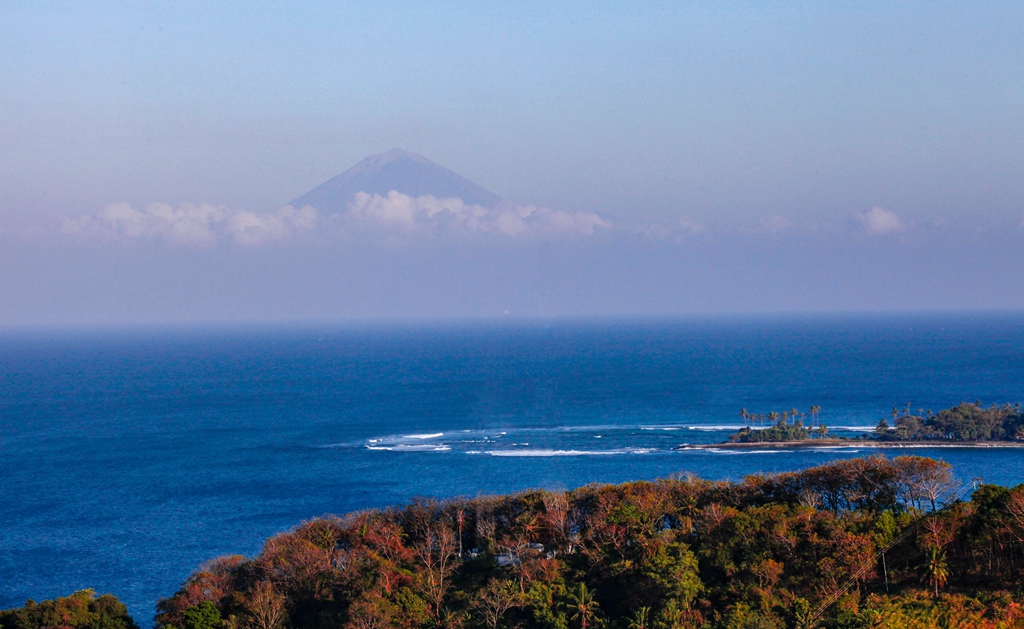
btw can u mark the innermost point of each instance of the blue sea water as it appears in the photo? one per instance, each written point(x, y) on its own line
point(128, 457)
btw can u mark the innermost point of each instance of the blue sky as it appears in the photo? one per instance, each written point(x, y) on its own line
point(853, 133)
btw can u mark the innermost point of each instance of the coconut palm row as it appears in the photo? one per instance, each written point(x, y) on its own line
point(775, 418)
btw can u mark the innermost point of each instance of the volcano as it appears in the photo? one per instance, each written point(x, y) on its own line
point(403, 171)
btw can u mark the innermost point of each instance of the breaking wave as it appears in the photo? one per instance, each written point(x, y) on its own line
point(532, 453)
point(744, 451)
point(573, 440)
point(411, 448)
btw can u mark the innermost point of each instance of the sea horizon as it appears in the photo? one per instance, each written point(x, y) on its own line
point(499, 320)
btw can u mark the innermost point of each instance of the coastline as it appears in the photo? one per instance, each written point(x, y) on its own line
point(847, 443)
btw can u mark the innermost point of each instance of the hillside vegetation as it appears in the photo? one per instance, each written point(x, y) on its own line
point(788, 550)
point(81, 610)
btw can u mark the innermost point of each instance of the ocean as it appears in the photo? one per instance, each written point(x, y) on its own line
point(130, 456)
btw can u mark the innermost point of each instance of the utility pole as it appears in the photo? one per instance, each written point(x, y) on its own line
point(885, 571)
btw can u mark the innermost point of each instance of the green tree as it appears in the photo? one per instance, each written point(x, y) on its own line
point(803, 615)
point(672, 573)
point(544, 601)
point(205, 615)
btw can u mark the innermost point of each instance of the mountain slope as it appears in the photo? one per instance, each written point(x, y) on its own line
point(406, 172)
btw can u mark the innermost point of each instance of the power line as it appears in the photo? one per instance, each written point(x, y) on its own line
point(910, 530)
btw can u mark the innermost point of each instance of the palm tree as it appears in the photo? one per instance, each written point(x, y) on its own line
point(641, 619)
point(814, 414)
point(460, 520)
point(744, 415)
point(583, 604)
point(938, 570)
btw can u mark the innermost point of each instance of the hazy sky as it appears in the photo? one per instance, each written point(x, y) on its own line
point(738, 156)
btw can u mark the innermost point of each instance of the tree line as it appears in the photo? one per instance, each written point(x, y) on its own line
point(965, 422)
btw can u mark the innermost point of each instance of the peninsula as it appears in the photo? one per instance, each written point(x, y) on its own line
point(966, 424)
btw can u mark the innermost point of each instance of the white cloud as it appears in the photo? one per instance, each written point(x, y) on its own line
point(188, 224)
point(247, 228)
point(409, 213)
point(428, 214)
point(879, 221)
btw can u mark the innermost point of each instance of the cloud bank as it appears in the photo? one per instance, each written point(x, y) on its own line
point(397, 214)
point(398, 218)
point(201, 225)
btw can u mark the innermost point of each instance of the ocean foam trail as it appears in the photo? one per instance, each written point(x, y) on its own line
point(583, 428)
point(348, 444)
point(713, 427)
point(474, 436)
point(723, 451)
point(401, 447)
point(546, 453)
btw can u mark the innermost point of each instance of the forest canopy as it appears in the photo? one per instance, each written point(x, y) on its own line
point(81, 610)
point(871, 542)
